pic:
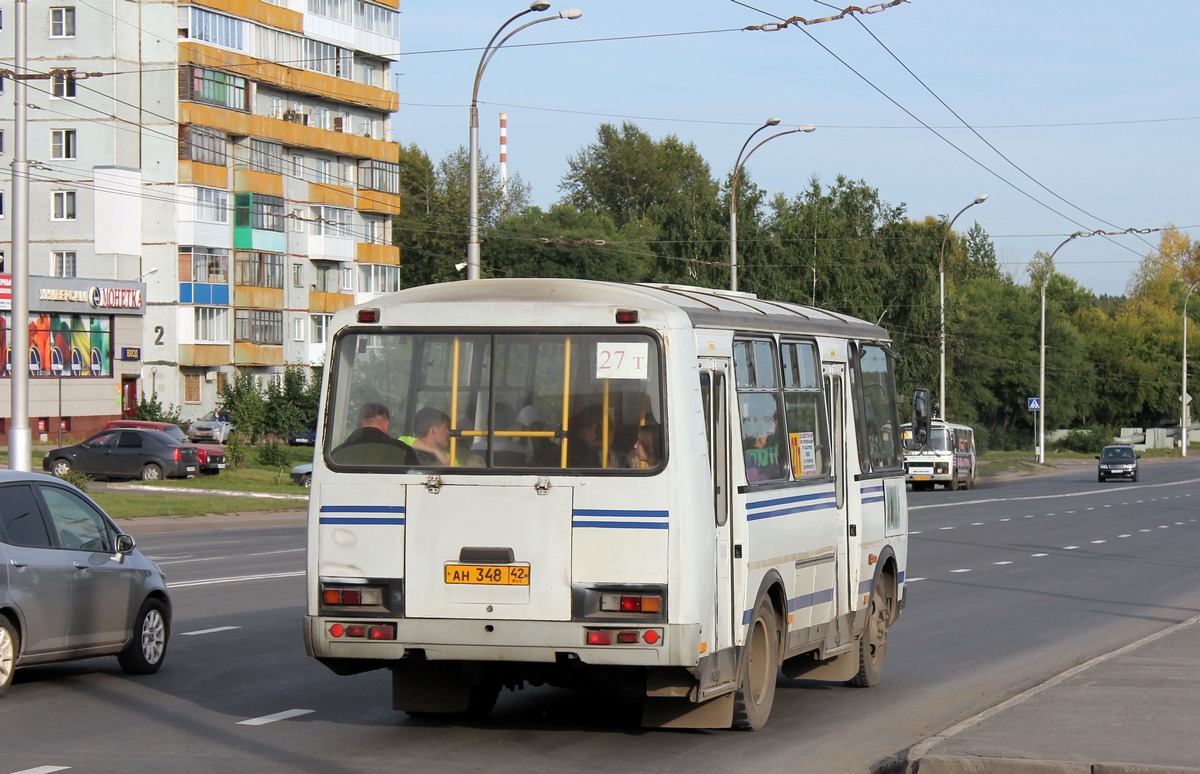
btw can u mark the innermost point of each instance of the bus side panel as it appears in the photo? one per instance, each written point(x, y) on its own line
point(620, 532)
point(360, 529)
point(884, 523)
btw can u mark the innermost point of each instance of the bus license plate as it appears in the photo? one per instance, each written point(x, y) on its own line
point(488, 574)
point(920, 478)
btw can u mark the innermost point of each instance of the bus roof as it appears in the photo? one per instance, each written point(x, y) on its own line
point(524, 301)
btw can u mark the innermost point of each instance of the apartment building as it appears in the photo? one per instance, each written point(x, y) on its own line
point(231, 160)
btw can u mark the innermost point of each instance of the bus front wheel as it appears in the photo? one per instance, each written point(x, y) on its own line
point(757, 672)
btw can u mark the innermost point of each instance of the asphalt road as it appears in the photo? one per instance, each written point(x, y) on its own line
point(1012, 582)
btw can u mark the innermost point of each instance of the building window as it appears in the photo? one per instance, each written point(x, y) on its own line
point(266, 157)
point(222, 382)
point(379, 176)
point(258, 326)
point(212, 324)
point(328, 277)
point(374, 278)
point(62, 263)
point(259, 211)
point(62, 205)
point(191, 388)
point(347, 278)
point(62, 84)
point(218, 29)
point(62, 144)
point(1, 204)
point(62, 22)
point(376, 230)
point(203, 145)
point(298, 167)
point(298, 329)
point(297, 275)
point(258, 269)
point(212, 205)
point(215, 88)
point(1, 130)
point(331, 222)
point(320, 327)
point(208, 264)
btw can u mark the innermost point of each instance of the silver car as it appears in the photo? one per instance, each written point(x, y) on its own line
point(72, 585)
point(214, 426)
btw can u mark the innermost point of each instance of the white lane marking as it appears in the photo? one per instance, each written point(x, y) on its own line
point(913, 580)
point(210, 631)
point(914, 532)
point(42, 770)
point(977, 524)
point(999, 563)
point(278, 716)
point(1006, 520)
point(1039, 554)
point(1070, 548)
point(238, 579)
point(1082, 493)
point(1031, 516)
point(964, 569)
point(185, 560)
point(1125, 535)
point(1143, 530)
point(945, 527)
point(1097, 542)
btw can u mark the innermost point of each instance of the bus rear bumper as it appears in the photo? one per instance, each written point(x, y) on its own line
point(505, 641)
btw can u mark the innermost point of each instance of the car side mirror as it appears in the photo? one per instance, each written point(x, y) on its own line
point(125, 544)
point(921, 416)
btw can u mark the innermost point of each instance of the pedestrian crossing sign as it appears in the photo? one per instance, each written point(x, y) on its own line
point(1035, 404)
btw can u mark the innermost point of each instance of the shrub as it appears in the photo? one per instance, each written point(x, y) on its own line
point(274, 455)
point(235, 451)
point(78, 480)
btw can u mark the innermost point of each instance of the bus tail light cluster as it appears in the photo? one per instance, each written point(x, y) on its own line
point(624, 636)
point(360, 631)
point(941, 467)
point(353, 596)
point(630, 603)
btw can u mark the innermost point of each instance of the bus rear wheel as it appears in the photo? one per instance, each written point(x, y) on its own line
point(872, 646)
point(757, 672)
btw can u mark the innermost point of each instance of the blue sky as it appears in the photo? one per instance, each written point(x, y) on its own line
point(1091, 109)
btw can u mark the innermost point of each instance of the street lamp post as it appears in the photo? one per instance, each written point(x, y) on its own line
point(1049, 271)
point(942, 307)
point(1184, 412)
point(488, 52)
point(742, 158)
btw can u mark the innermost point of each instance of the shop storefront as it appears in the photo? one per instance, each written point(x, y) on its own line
point(84, 358)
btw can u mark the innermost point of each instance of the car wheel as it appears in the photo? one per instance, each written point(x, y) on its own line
point(10, 646)
point(60, 467)
point(152, 472)
point(306, 481)
point(1135, 476)
point(1100, 477)
point(146, 650)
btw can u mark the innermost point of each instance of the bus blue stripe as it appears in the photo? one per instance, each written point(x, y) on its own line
point(362, 509)
point(363, 514)
point(354, 520)
point(789, 500)
point(620, 514)
point(788, 511)
point(621, 524)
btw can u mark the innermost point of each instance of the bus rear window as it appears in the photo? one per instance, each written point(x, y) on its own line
point(495, 400)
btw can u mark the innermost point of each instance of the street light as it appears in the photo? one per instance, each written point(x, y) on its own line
point(488, 52)
point(942, 306)
point(1049, 271)
point(737, 171)
point(1184, 419)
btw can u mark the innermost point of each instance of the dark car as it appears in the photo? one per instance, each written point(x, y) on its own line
point(72, 585)
point(150, 455)
point(210, 458)
point(303, 438)
point(1117, 461)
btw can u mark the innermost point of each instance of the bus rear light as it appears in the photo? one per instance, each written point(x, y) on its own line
point(599, 637)
point(370, 315)
point(630, 603)
point(623, 636)
point(358, 596)
point(362, 631)
point(627, 316)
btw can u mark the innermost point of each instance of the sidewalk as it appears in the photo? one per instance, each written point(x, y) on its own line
point(1135, 710)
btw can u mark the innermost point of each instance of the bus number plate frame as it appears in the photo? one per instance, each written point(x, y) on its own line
point(487, 574)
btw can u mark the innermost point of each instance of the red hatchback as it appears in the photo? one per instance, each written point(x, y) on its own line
point(211, 458)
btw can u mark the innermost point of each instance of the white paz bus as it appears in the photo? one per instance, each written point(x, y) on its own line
point(671, 489)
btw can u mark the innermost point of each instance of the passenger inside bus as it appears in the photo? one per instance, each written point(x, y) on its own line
point(370, 443)
point(645, 449)
point(584, 437)
point(761, 453)
point(431, 441)
point(542, 452)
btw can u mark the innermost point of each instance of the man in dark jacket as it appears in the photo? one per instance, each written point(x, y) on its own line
point(370, 443)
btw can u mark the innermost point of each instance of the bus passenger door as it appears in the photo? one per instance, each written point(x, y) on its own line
point(839, 581)
point(714, 389)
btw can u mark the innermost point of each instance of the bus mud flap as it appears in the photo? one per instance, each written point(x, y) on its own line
point(430, 686)
point(839, 668)
point(672, 712)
